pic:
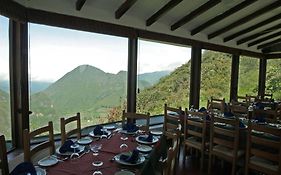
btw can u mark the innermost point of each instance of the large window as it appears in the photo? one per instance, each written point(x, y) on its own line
point(73, 71)
point(163, 76)
point(215, 76)
point(5, 110)
point(248, 76)
point(273, 78)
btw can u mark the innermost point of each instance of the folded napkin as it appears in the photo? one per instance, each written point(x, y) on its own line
point(208, 118)
point(23, 169)
point(228, 114)
point(131, 159)
point(260, 119)
point(98, 130)
point(130, 127)
point(202, 109)
point(149, 138)
point(241, 125)
point(66, 147)
point(259, 105)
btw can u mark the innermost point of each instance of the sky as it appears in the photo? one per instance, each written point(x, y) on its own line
point(55, 51)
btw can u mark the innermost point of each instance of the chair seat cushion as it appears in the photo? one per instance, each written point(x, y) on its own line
point(227, 151)
point(258, 161)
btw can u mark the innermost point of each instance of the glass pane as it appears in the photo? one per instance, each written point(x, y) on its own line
point(73, 71)
point(248, 76)
point(163, 77)
point(273, 78)
point(5, 110)
point(215, 76)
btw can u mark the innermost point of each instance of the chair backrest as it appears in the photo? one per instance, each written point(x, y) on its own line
point(238, 110)
point(67, 122)
point(226, 135)
point(195, 127)
point(266, 146)
point(216, 104)
point(267, 97)
point(3, 156)
point(173, 117)
point(29, 151)
point(136, 116)
point(268, 115)
point(170, 162)
point(251, 98)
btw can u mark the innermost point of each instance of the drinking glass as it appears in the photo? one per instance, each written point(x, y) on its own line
point(96, 163)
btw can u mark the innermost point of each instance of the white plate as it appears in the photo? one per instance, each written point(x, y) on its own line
point(144, 148)
point(80, 149)
point(157, 133)
point(107, 133)
point(126, 132)
point(109, 127)
point(124, 172)
point(48, 161)
point(85, 141)
point(154, 139)
point(140, 160)
point(40, 171)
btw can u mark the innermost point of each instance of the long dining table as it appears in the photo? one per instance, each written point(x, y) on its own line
point(110, 148)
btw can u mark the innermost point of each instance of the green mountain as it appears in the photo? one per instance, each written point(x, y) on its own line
point(151, 78)
point(35, 86)
point(5, 120)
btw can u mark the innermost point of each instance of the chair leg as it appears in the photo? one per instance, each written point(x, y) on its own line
point(202, 160)
point(233, 168)
point(210, 164)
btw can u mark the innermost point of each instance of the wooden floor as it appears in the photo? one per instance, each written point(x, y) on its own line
point(192, 166)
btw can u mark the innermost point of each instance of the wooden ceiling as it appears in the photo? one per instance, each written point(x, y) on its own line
point(252, 25)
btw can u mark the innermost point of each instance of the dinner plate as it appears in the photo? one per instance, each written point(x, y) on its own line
point(157, 133)
point(124, 172)
point(257, 132)
point(144, 148)
point(110, 127)
point(85, 141)
point(40, 171)
point(79, 150)
point(48, 161)
point(154, 139)
point(106, 133)
point(140, 160)
point(126, 132)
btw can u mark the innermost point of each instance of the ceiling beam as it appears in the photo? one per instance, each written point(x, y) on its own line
point(162, 12)
point(222, 16)
point(274, 48)
point(264, 39)
point(269, 43)
point(245, 19)
point(256, 35)
point(203, 8)
point(80, 4)
point(254, 27)
point(124, 8)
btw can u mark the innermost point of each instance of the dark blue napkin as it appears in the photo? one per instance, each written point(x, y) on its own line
point(259, 105)
point(260, 119)
point(149, 138)
point(130, 127)
point(228, 114)
point(98, 130)
point(241, 125)
point(208, 118)
point(23, 169)
point(202, 109)
point(66, 147)
point(131, 159)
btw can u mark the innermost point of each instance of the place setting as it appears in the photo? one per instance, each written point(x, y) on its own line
point(147, 139)
point(70, 149)
point(100, 132)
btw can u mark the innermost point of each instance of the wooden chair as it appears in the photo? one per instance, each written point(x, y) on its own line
point(263, 153)
point(269, 115)
point(67, 122)
point(241, 100)
point(224, 143)
point(136, 116)
point(218, 104)
point(267, 97)
point(238, 110)
point(3, 156)
point(170, 162)
point(195, 133)
point(251, 98)
point(29, 151)
point(173, 117)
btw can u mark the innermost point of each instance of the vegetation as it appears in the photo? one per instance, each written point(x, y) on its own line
point(100, 97)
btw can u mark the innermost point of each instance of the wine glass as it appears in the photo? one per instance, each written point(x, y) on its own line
point(74, 155)
point(96, 163)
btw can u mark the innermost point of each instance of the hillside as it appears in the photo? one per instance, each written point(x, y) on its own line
point(5, 120)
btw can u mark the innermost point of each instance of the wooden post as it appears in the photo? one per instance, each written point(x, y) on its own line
point(234, 77)
point(262, 76)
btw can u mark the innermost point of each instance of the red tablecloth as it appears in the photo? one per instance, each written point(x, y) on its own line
point(83, 165)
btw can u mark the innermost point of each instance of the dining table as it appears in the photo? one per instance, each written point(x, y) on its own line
point(109, 149)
